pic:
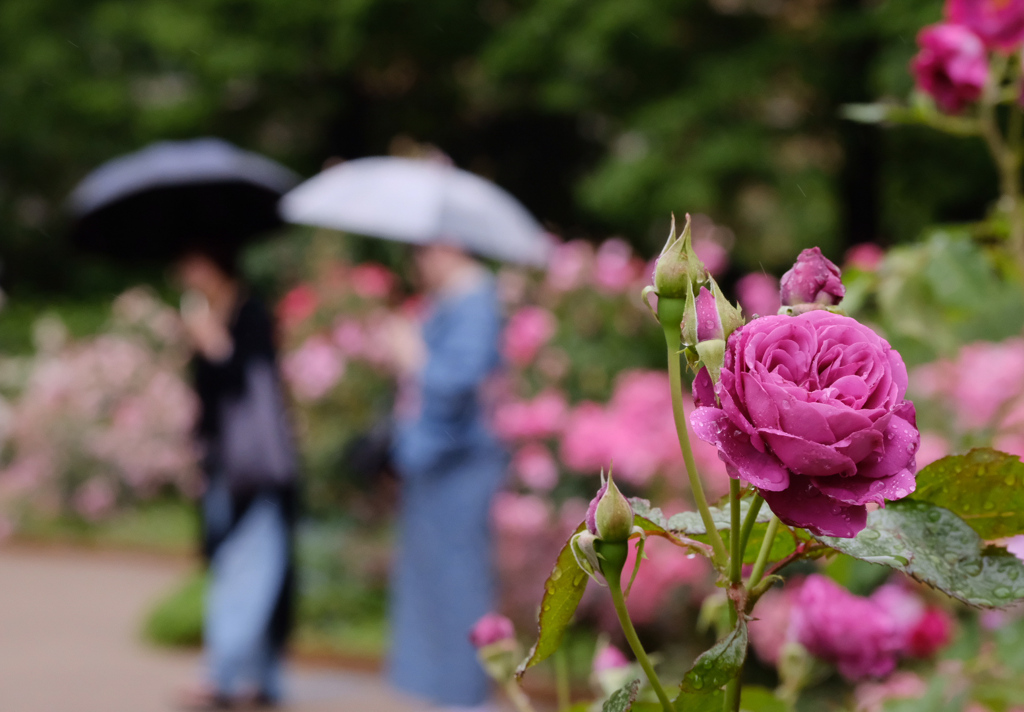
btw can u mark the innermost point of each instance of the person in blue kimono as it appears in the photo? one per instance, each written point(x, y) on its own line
point(450, 466)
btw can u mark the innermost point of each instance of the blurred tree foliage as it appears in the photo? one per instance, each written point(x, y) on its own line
point(602, 115)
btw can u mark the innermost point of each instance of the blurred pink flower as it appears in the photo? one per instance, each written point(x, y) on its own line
point(872, 696)
point(857, 635)
point(95, 499)
point(313, 369)
point(371, 280)
point(609, 657)
point(541, 417)
point(712, 254)
point(297, 305)
point(350, 337)
point(528, 330)
point(535, 467)
point(865, 256)
point(665, 570)
point(570, 265)
point(615, 267)
point(999, 23)
point(490, 629)
point(932, 633)
point(520, 514)
point(933, 447)
point(952, 66)
point(758, 294)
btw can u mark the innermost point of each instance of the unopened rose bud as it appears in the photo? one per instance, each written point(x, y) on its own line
point(490, 629)
point(610, 658)
point(610, 515)
point(707, 323)
point(678, 265)
point(814, 279)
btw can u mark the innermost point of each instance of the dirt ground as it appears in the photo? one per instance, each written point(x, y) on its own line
point(70, 642)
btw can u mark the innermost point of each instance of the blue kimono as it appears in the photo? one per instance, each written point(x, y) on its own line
point(450, 466)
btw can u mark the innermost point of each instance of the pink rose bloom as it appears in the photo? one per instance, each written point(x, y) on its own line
point(609, 658)
point(952, 66)
point(314, 369)
point(999, 23)
point(814, 279)
point(872, 696)
point(924, 630)
point(661, 574)
point(813, 413)
point(712, 254)
point(615, 268)
point(541, 417)
point(758, 294)
point(855, 634)
point(569, 265)
point(372, 281)
point(527, 331)
point(520, 514)
point(490, 629)
point(535, 467)
point(770, 627)
point(866, 256)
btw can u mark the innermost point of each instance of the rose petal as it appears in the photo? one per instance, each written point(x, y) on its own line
point(760, 469)
point(861, 490)
point(899, 448)
point(760, 405)
point(805, 457)
point(861, 445)
point(704, 389)
point(803, 505)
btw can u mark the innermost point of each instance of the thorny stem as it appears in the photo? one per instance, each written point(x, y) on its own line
point(672, 343)
point(732, 690)
point(762, 557)
point(750, 521)
point(613, 577)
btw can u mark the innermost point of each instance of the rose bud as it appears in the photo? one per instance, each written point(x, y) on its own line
point(490, 629)
point(952, 66)
point(610, 515)
point(678, 266)
point(708, 321)
point(813, 280)
point(932, 633)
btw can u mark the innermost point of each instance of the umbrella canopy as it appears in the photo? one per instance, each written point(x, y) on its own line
point(173, 195)
point(419, 202)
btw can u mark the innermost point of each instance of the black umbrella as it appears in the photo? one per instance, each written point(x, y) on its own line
point(175, 195)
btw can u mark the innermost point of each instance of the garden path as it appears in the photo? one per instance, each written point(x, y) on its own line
point(69, 641)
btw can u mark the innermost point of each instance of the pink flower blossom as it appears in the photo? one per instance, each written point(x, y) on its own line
point(520, 514)
point(814, 414)
point(814, 279)
point(615, 267)
point(542, 417)
point(952, 66)
point(609, 657)
point(490, 629)
point(350, 337)
point(872, 696)
point(662, 573)
point(712, 254)
point(95, 499)
point(999, 23)
point(535, 467)
point(865, 256)
point(758, 294)
point(570, 265)
point(297, 305)
point(528, 330)
point(931, 634)
point(856, 634)
point(313, 369)
point(371, 280)
point(770, 627)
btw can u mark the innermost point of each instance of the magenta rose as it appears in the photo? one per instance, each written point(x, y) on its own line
point(999, 23)
point(813, 414)
point(952, 66)
point(490, 629)
point(814, 279)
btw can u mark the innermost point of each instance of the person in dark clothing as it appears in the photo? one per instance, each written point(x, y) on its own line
point(249, 502)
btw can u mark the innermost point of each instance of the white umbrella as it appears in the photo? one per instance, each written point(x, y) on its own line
point(419, 202)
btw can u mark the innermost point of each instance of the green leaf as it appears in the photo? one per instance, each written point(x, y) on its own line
point(760, 699)
point(691, 525)
point(622, 699)
point(562, 593)
point(721, 663)
point(936, 547)
point(696, 702)
point(983, 487)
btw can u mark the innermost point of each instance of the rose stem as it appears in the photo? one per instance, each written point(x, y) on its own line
point(732, 690)
point(750, 521)
point(762, 556)
point(673, 339)
point(517, 697)
point(613, 577)
point(562, 678)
